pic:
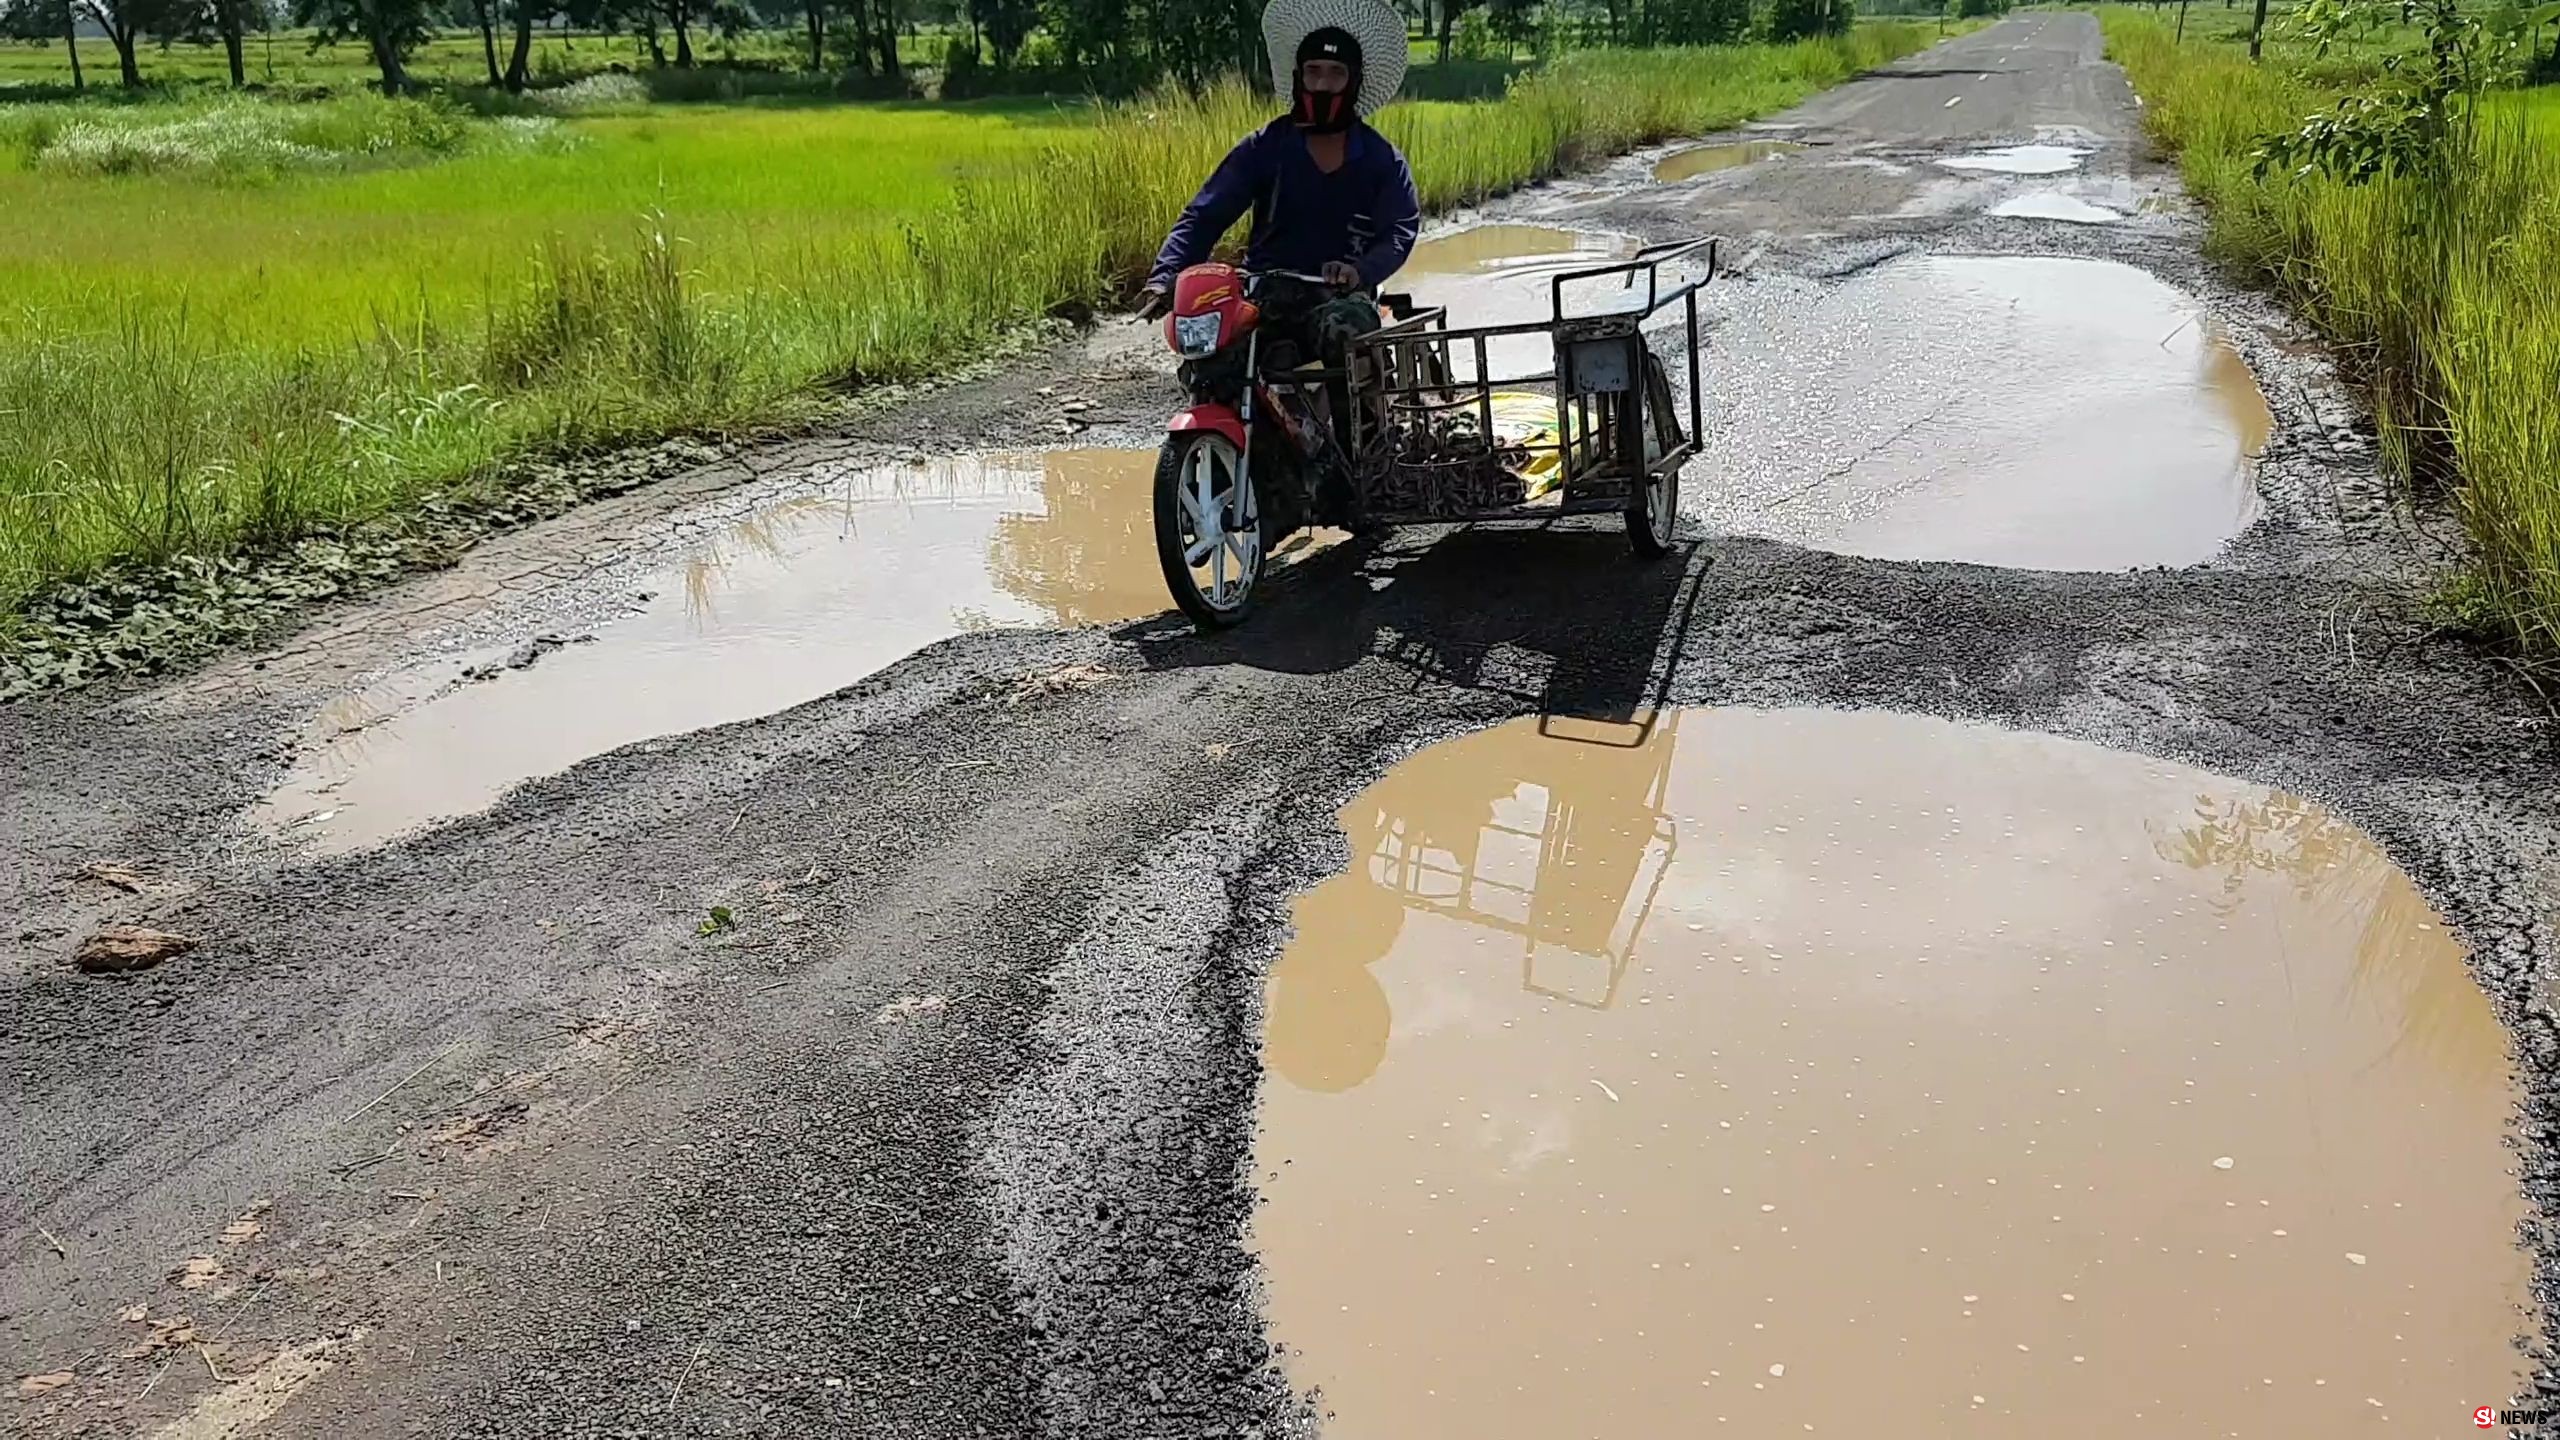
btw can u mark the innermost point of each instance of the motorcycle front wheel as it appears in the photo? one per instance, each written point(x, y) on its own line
point(1212, 532)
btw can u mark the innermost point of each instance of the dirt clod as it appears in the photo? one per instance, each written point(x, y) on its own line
point(117, 949)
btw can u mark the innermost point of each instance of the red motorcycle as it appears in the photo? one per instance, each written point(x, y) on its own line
point(1258, 455)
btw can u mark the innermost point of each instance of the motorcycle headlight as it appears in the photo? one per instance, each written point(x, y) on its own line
point(1196, 335)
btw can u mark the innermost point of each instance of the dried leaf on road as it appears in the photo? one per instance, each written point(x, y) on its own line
point(107, 872)
point(116, 949)
point(197, 1273)
point(240, 1232)
point(909, 1007)
point(40, 1384)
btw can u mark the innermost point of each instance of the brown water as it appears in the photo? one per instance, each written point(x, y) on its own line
point(786, 605)
point(1764, 1072)
point(1703, 159)
point(2005, 410)
point(1504, 275)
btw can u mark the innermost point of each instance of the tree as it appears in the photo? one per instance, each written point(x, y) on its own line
point(390, 29)
point(1798, 19)
point(38, 22)
point(1092, 35)
point(1450, 10)
point(813, 22)
point(231, 21)
point(127, 21)
point(1007, 24)
point(484, 17)
point(1515, 22)
point(1197, 40)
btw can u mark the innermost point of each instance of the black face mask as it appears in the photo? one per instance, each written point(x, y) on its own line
point(1318, 113)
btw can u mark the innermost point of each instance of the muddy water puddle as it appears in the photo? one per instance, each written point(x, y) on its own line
point(787, 604)
point(1505, 275)
point(2025, 411)
point(1753, 1073)
point(1700, 160)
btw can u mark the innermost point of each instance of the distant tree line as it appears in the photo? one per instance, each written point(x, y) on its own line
point(1112, 46)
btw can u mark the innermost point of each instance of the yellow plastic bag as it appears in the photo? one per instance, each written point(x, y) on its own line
point(1524, 418)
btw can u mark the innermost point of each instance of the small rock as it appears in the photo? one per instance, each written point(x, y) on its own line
point(116, 949)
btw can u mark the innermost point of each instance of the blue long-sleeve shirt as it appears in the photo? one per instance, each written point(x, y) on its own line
point(1365, 212)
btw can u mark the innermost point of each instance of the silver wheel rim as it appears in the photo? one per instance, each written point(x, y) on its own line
point(1221, 525)
point(1658, 508)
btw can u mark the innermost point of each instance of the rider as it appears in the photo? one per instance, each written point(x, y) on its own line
point(1329, 195)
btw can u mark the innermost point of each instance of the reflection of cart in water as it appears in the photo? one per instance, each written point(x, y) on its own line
point(1556, 834)
point(1569, 858)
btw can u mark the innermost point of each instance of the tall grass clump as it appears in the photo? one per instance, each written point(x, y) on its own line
point(235, 139)
point(2435, 285)
point(212, 408)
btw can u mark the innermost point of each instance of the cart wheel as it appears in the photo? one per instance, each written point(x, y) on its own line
point(1651, 518)
point(1209, 528)
point(1656, 511)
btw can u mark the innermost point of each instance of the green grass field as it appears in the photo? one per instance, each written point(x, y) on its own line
point(2440, 295)
point(199, 357)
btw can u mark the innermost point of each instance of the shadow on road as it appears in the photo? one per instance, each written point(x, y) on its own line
point(1564, 619)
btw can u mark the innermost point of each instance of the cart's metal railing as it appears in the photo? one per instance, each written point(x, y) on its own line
point(1597, 356)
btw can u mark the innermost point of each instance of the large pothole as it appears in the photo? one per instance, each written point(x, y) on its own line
point(785, 605)
point(1755, 1072)
point(2045, 413)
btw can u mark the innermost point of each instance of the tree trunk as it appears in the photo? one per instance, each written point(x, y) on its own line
point(684, 35)
point(71, 42)
point(814, 12)
point(2258, 30)
point(657, 50)
point(520, 57)
point(234, 43)
point(386, 57)
point(123, 36)
point(858, 20)
point(887, 11)
point(488, 41)
point(1448, 17)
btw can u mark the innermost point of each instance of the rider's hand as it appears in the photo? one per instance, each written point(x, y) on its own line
point(1342, 275)
point(1153, 302)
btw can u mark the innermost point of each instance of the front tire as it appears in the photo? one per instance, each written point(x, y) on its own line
point(1212, 532)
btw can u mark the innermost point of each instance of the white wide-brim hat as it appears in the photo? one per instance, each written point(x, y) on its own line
point(1380, 31)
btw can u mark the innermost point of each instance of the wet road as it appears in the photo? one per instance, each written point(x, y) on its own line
point(895, 1062)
